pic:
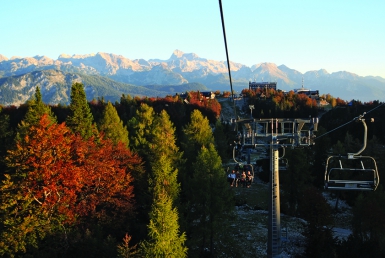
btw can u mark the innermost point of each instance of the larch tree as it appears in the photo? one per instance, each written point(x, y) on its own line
point(196, 134)
point(80, 119)
point(164, 238)
point(140, 129)
point(153, 136)
point(112, 126)
point(210, 197)
point(163, 145)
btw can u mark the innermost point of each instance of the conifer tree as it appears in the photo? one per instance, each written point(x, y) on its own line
point(164, 238)
point(221, 141)
point(210, 197)
point(80, 119)
point(140, 128)
point(112, 126)
point(198, 131)
point(163, 145)
point(36, 108)
point(5, 137)
point(196, 134)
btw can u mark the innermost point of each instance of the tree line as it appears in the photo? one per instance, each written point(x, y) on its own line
point(143, 177)
point(97, 179)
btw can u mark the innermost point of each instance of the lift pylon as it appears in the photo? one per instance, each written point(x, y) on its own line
point(274, 134)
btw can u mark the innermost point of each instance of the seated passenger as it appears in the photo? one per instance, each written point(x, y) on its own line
point(249, 179)
point(243, 179)
point(237, 178)
point(231, 178)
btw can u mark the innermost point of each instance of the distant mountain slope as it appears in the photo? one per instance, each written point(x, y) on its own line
point(183, 68)
point(56, 85)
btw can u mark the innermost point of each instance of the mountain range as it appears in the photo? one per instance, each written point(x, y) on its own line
point(109, 76)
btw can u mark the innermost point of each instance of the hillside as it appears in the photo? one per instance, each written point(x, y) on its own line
point(55, 87)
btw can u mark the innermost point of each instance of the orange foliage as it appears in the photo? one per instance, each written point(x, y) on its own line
point(71, 177)
point(106, 181)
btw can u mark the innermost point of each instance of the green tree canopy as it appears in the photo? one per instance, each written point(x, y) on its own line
point(164, 238)
point(210, 198)
point(140, 127)
point(80, 119)
point(112, 126)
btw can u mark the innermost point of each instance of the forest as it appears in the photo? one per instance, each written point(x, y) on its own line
point(146, 177)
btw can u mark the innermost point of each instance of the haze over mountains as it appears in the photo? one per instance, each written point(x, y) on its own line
point(110, 76)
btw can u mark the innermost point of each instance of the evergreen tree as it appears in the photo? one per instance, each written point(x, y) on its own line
point(198, 131)
point(196, 134)
point(163, 145)
point(210, 197)
point(80, 119)
point(36, 108)
point(112, 126)
point(221, 140)
point(165, 239)
point(5, 137)
point(140, 128)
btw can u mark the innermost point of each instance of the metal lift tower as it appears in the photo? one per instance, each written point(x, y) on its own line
point(274, 134)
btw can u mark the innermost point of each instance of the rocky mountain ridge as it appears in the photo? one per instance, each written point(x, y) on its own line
point(182, 68)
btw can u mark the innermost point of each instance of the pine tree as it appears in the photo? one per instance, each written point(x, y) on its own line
point(112, 126)
point(80, 119)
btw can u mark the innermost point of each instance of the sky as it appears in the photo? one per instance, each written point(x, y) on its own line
point(343, 35)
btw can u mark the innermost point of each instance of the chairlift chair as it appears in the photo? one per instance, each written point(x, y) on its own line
point(352, 172)
point(363, 178)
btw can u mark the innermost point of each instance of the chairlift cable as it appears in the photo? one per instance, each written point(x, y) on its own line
point(335, 129)
point(375, 108)
point(227, 56)
point(354, 119)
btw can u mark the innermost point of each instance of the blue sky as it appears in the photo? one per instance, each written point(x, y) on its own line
point(304, 35)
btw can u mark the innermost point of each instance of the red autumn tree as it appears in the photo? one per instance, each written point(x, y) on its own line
point(58, 178)
point(41, 189)
point(106, 175)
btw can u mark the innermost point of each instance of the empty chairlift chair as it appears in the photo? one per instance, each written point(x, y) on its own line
point(352, 172)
